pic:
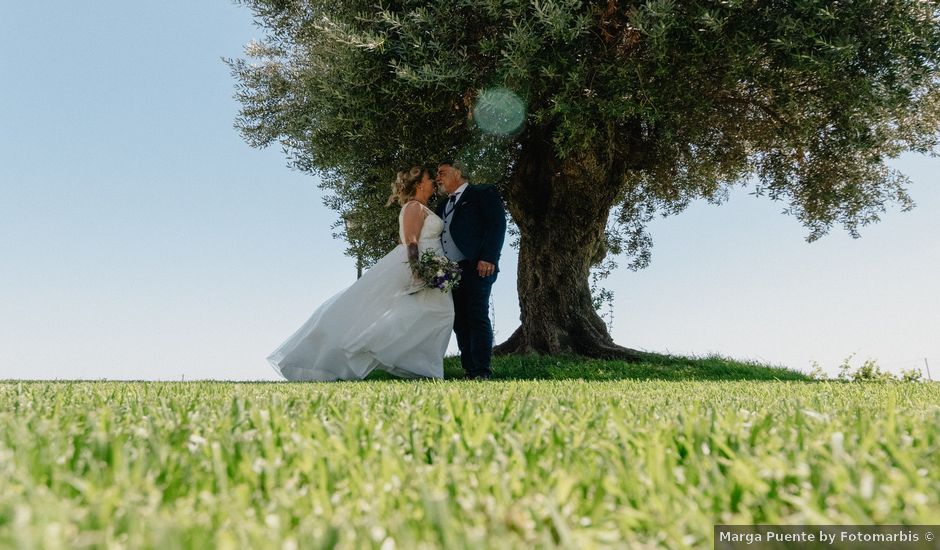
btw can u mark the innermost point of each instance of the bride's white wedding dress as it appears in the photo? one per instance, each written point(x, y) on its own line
point(375, 323)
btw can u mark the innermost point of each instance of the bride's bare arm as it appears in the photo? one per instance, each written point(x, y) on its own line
point(412, 224)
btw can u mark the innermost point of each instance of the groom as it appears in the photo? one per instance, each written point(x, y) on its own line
point(474, 230)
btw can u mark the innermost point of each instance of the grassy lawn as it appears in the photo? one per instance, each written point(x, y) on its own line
point(555, 453)
point(654, 367)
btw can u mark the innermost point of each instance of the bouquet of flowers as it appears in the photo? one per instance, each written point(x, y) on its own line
point(436, 271)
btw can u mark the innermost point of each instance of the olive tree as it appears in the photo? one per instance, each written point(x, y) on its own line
point(593, 117)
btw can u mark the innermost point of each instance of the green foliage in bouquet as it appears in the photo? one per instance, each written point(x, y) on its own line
point(437, 271)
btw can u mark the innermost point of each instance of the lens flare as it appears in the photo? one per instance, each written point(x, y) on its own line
point(499, 111)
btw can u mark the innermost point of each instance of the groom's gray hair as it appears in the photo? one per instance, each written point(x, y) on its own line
point(460, 167)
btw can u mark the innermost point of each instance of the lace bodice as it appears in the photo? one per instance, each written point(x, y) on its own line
point(430, 231)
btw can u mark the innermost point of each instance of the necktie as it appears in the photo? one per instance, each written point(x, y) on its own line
point(451, 203)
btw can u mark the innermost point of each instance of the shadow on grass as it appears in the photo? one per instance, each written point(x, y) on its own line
point(653, 367)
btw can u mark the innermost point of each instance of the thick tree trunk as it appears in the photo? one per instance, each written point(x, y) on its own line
point(561, 208)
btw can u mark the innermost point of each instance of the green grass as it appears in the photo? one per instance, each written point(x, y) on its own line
point(653, 367)
point(597, 455)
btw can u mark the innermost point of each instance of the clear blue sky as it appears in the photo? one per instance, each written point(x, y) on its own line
point(140, 238)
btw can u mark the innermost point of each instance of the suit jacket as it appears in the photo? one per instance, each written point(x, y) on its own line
point(478, 225)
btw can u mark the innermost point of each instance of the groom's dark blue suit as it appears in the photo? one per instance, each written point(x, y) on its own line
point(478, 228)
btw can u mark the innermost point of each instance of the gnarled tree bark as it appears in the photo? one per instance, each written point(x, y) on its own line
point(561, 207)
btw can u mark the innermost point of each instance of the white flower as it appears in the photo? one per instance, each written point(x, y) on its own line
point(440, 273)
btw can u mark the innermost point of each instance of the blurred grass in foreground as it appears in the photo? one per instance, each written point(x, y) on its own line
point(571, 462)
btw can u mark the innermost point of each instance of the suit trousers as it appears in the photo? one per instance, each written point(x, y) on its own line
point(472, 320)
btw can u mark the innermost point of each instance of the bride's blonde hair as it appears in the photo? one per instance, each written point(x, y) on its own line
point(405, 185)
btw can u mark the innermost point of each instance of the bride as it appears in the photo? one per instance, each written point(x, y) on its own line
point(380, 321)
